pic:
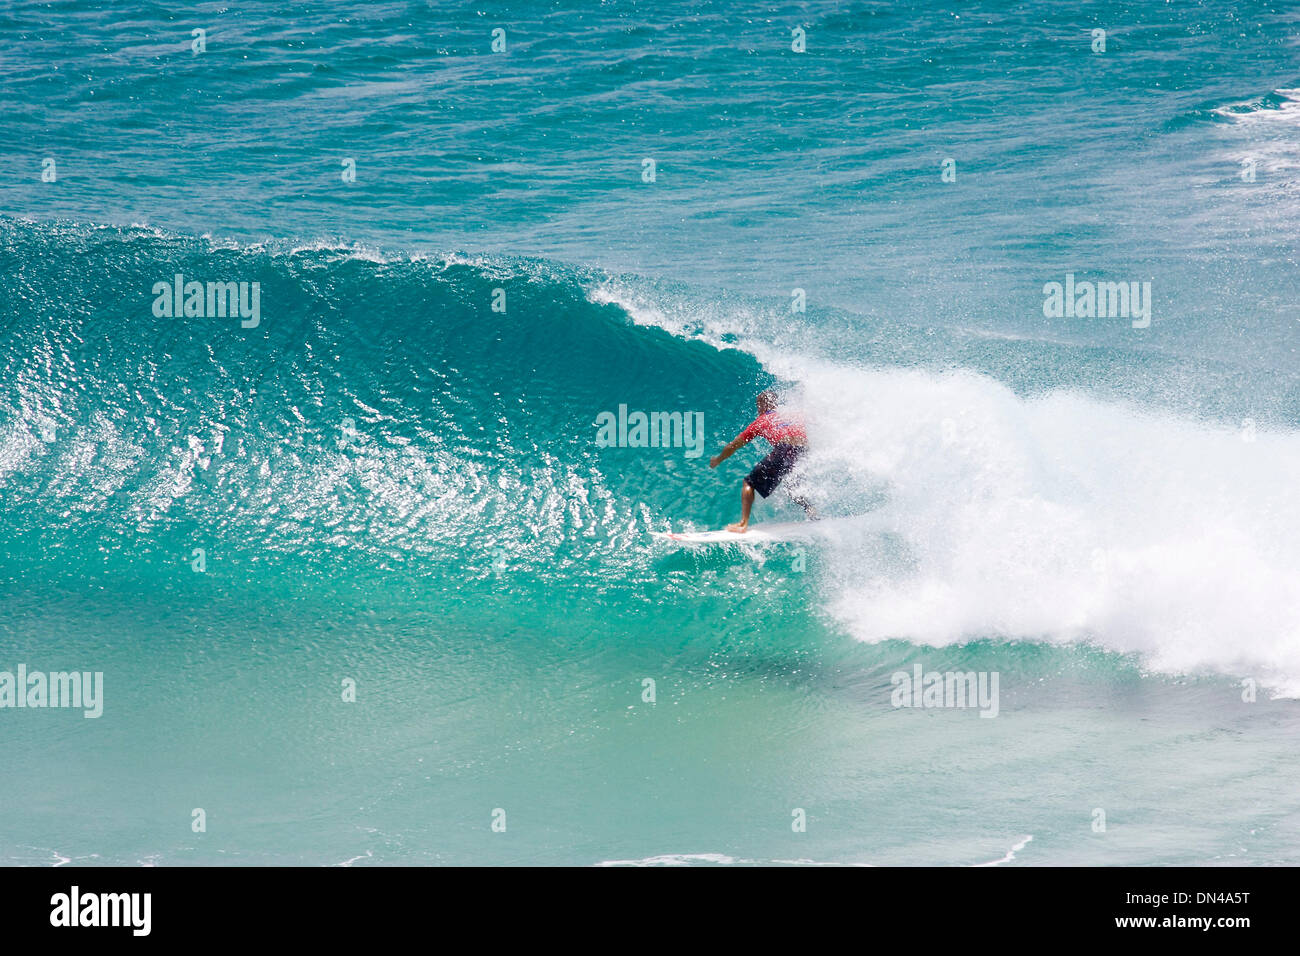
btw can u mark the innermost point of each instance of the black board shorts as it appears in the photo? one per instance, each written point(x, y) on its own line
point(767, 474)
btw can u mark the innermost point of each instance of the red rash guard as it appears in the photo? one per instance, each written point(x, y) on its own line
point(777, 429)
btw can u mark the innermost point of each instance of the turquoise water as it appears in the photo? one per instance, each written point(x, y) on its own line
point(387, 481)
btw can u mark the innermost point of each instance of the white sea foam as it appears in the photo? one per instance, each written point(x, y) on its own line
point(1252, 111)
point(1061, 518)
point(716, 859)
point(678, 859)
point(1010, 854)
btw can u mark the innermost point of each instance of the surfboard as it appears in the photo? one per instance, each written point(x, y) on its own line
point(756, 534)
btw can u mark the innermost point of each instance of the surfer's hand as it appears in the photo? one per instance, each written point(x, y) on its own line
point(713, 462)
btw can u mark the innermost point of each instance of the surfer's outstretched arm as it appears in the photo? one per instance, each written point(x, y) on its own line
point(737, 443)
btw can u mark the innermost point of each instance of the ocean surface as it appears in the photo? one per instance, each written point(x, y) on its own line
point(384, 483)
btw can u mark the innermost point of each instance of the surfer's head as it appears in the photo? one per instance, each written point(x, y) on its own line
point(766, 401)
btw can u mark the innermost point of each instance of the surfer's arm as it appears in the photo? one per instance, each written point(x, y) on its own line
point(737, 443)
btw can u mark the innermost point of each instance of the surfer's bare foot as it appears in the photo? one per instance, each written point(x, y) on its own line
point(740, 527)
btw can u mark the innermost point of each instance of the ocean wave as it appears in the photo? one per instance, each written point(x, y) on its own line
point(1280, 105)
point(384, 414)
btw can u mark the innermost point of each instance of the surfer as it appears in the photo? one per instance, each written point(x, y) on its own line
point(785, 433)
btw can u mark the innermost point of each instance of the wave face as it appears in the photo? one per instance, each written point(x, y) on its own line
point(381, 413)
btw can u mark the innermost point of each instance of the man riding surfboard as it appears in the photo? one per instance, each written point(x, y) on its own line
point(785, 433)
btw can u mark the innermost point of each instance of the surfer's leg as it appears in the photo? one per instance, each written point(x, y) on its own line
point(795, 488)
point(803, 503)
point(767, 474)
point(746, 502)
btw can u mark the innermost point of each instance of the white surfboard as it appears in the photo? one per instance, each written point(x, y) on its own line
point(757, 533)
